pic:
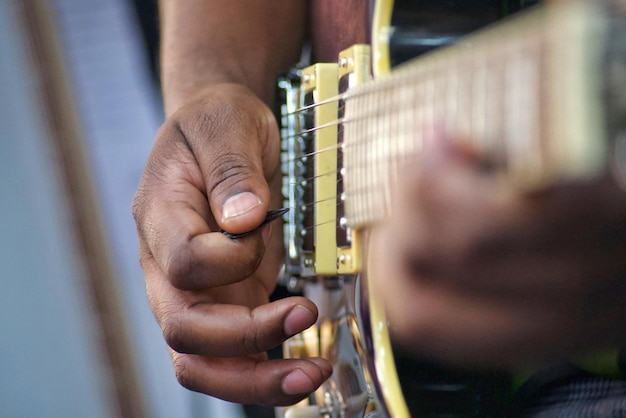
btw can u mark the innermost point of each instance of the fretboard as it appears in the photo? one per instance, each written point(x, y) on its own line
point(525, 95)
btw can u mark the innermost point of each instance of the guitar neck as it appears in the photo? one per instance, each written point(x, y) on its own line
point(526, 95)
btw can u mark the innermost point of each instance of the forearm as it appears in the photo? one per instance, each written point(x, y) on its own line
point(213, 41)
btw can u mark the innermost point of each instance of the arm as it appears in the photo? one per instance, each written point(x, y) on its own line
point(222, 41)
point(213, 166)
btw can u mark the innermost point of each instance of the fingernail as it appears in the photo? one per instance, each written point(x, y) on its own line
point(300, 318)
point(239, 204)
point(297, 382)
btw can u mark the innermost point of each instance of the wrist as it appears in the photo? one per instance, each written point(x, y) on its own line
point(181, 88)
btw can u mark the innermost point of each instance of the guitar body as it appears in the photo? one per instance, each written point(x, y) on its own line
point(427, 389)
point(419, 26)
point(344, 135)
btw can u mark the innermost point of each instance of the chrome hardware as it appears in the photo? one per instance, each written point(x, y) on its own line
point(295, 183)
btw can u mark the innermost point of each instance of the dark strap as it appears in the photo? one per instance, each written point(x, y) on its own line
point(565, 390)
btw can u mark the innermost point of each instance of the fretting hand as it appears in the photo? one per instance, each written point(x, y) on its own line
point(476, 273)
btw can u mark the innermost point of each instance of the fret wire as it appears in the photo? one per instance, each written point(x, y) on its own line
point(369, 172)
point(470, 93)
point(479, 99)
point(349, 205)
point(461, 91)
point(514, 96)
point(387, 127)
point(360, 131)
point(492, 104)
point(391, 177)
point(373, 135)
point(365, 103)
point(374, 151)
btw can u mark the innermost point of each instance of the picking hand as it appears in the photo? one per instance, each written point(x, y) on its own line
point(211, 168)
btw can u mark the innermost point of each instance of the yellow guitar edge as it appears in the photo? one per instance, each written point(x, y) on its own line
point(384, 361)
point(381, 32)
point(383, 355)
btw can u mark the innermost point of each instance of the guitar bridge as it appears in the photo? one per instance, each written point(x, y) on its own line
point(318, 238)
point(321, 260)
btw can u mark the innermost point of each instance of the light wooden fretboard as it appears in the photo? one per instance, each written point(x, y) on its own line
point(527, 94)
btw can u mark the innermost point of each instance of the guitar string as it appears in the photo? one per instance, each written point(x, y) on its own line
point(314, 177)
point(334, 123)
point(355, 191)
point(363, 142)
point(356, 142)
point(304, 156)
point(310, 228)
point(371, 110)
point(306, 206)
point(331, 100)
point(367, 140)
point(380, 88)
point(362, 90)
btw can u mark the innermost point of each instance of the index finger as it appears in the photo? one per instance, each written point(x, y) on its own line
point(176, 224)
point(252, 381)
point(192, 254)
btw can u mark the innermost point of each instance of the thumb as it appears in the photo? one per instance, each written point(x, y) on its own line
point(238, 152)
point(243, 211)
point(237, 190)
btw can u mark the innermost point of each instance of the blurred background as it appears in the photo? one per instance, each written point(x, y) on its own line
point(79, 108)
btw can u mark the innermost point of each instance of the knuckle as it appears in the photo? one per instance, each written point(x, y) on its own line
point(253, 395)
point(138, 205)
point(145, 258)
point(182, 371)
point(213, 115)
point(228, 128)
point(250, 261)
point(206, 123)
point(174, 333)
point(180, 268)
point(251, 339)
point(140, 209)
point(228, 169)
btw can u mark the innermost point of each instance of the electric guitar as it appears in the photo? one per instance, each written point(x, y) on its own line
point(536, 94)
